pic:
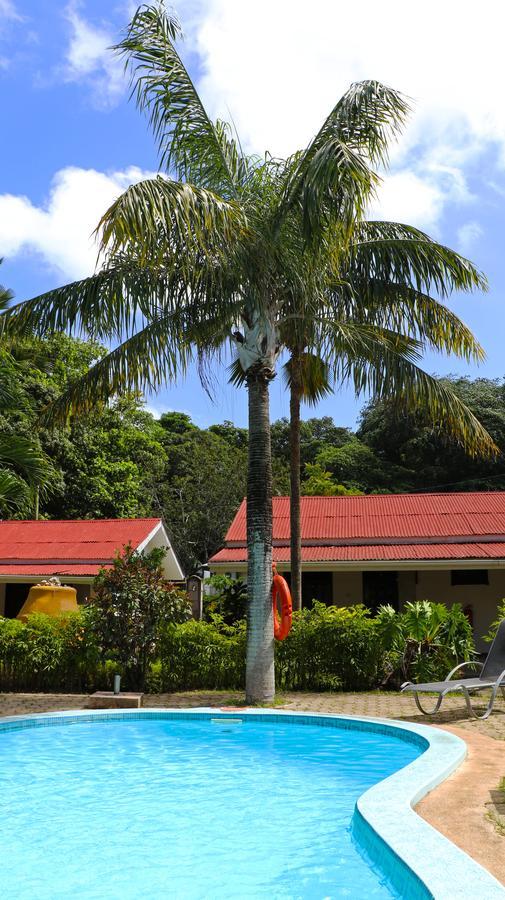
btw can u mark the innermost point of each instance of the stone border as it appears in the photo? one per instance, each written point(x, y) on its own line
point(385, 824)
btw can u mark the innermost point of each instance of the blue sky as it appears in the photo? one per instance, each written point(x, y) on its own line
point(71, 141)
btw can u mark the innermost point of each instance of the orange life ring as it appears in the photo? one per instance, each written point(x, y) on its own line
point(282, 623)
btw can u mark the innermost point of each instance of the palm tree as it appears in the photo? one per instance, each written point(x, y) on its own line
point(226, 250)
point(381, 301)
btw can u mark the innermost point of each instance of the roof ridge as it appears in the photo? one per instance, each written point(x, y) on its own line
point(80, 521)
point(404, 494)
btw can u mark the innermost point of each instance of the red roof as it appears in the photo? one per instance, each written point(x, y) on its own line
point(382, 527)
point(69, 547)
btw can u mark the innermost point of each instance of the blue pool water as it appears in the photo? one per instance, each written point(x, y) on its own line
point(160, 808)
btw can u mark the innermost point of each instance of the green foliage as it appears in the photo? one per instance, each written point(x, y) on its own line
point(203, 484)
point(201, 655)
point(131, 603)
point(50, 653)
point(320, 482)
point(424, 641)
point(493, 628)
point(415, 455)
point(144, 634)
point(329, 648)
point(227, 600)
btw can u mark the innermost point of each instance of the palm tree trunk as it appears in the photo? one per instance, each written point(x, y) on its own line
point(260, 675)
point(294, 506)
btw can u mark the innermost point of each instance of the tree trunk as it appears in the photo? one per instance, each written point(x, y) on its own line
point(260, 676)
point(294, 506)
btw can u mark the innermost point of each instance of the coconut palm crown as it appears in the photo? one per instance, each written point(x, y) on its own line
point(262, 253)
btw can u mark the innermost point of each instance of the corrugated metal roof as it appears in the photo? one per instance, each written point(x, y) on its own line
point(377, 552)
point(384, 526)
point(55, 569)
point(386, 517)
point(76, 547)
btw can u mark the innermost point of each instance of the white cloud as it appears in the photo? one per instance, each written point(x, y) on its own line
point(405, 197)
point(60, 231)
point(468, 235)
point(9, 11)
point(278, 68)
point(89, 58)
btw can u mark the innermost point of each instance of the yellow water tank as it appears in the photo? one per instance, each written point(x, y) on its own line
point(51, 599)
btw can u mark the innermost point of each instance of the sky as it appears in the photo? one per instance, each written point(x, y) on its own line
point(71, 140)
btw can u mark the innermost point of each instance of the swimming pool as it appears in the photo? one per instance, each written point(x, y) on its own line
point(194, 806)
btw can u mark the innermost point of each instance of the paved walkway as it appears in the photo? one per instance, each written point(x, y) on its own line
point(384, 704)
point(465, 808)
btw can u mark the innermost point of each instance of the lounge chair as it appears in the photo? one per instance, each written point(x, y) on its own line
point(491, 677)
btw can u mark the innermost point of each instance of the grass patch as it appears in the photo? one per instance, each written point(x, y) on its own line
point(496, 816)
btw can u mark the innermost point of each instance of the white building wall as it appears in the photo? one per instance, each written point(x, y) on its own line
point(347, 588)
point(435, 585)
point(483, 598)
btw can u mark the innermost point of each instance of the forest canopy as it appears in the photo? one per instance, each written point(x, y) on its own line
point(121, 462)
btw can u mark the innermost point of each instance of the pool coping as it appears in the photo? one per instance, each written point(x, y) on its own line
point(385, 822)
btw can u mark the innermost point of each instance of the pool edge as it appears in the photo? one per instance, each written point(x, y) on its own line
point(388, 825)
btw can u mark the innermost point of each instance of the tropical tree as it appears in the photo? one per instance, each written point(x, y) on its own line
point(371, 328)
point(24, 468)
point(228, 249)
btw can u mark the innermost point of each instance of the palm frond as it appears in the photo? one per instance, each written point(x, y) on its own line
point(160, 220)
point(26, 457)
point(400, 254)
point(188, 142)
point(14, 492)
point(400, 307)
point(157, 354)
point(107, 305)
point(314, 375)
point(384, 364)
point(332, 179)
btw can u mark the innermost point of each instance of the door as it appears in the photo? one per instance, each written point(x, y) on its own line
point(317, 586)
point(15, 596)
point(380, 588)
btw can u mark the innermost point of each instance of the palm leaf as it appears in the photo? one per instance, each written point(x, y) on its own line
point(314, 375)
point(384, 364)
point(26, 457)
point(154, 356)
point(14, 492)
point(160, 220)
point(400, 307)
point(400, 254)
point(188, 142)
point(332, 179)
point(107, 305)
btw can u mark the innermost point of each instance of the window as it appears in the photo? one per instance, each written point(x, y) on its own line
point(469, 576)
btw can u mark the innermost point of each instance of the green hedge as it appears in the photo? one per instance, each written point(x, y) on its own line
point(50, 654)
point(329, 648)
point(202, 655)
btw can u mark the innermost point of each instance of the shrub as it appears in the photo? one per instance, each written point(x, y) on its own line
point(424, 641)
point(228, 599)
point(49, 653)
point(329, 648)
point(131, 603)
point(493, 628)
point(208, 655)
